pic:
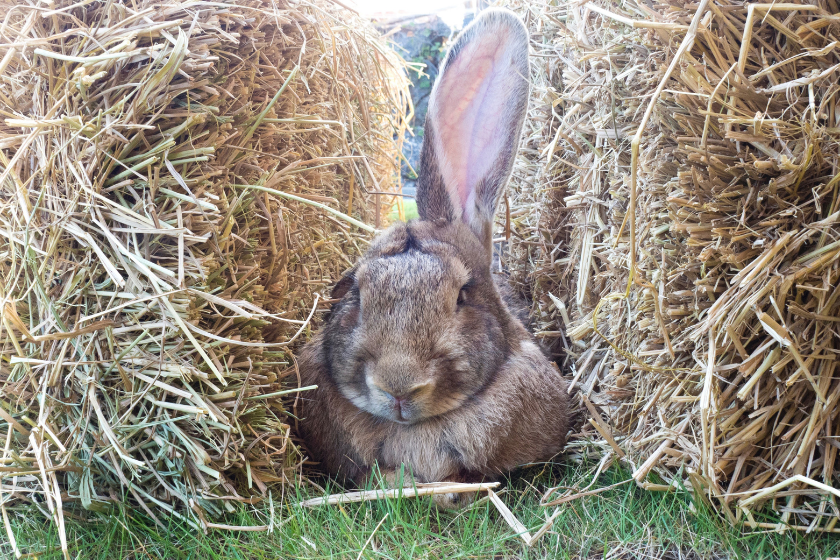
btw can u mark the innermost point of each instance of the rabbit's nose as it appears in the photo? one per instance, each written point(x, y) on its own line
point(399, 400)
point(399, 403)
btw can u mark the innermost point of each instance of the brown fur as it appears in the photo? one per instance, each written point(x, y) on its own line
point(421, 363)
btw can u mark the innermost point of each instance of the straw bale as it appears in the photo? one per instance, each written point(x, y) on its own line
point(177, 181)
point(674, 215)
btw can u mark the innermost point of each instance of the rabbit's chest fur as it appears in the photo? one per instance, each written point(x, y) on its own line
point(496, 431)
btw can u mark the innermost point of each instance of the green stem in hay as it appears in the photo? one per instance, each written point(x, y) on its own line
point(324, 207)
point(268, 107)
point(122, 354)
point(132, 170)
point(281, 393)
point(85, 59)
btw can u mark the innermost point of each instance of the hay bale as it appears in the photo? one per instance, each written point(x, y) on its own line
point(178, 179)
point(715, 362)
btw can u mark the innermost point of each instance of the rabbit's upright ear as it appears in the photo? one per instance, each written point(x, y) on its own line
point(474, 123)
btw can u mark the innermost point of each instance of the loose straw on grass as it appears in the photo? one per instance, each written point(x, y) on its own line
point(420, 489)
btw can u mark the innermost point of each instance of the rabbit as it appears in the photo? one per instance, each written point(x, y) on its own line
point(421, 363)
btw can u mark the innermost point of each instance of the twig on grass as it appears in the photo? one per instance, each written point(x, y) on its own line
point(422, 489)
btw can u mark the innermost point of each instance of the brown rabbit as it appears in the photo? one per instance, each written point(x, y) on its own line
point(421, 362)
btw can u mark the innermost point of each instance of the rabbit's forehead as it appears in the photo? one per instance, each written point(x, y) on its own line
point(414, 273)
point(407, 297)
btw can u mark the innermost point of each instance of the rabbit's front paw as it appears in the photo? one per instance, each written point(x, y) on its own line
point(453, 500)
point(398, 478)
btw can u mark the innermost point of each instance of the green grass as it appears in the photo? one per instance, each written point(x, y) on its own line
point(409, 207)
point(625, 522)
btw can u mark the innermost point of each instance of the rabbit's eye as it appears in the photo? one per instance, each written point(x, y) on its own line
point(359, 370)
point(462, 295)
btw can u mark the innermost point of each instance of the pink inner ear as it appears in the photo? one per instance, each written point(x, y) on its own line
point(469, 109)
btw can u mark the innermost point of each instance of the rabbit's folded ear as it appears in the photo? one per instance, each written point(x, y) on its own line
point(343, 286)
point(474, 122)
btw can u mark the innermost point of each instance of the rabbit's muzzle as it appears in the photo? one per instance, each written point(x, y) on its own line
point(398, 402)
